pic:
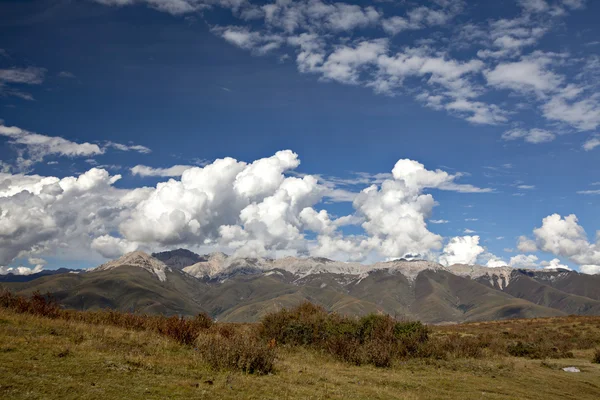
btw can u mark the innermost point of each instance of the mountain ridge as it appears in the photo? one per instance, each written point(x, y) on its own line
point(245, 289)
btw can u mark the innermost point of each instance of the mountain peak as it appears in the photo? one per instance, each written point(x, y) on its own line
point(138, 259)
point(179, 258)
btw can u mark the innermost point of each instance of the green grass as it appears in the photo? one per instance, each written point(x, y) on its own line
point(42, 358)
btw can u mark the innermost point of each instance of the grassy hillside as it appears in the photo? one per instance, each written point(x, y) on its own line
point(53, 359)
point(532, 290)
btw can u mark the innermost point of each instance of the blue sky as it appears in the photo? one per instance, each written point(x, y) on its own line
point(498, 102)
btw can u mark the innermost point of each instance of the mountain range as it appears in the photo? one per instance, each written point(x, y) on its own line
point(244, 289)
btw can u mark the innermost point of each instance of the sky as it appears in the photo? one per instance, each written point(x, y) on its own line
point(447, 130)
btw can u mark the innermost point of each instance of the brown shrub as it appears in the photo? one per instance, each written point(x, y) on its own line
point(183, 330)
point(372, 339)
point(243, 351)
point(596, 358)
point(37, 304)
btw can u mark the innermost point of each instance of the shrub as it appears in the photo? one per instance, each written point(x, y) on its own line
point(537, 350)
point(243, 351)
point(372, 339)
point(183, 330)
point(596, 358)
point(37, 304)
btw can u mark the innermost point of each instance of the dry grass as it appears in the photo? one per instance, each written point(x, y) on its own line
point(43, 358)
point(183, 330)
point(531, 338)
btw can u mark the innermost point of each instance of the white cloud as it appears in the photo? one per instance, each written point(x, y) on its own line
point(42, 214)
point(174, 171)
point(250, 40)
point(251, 209)
point(33, 147)
point(37, 261)
point(461, 250)
point(533, 136)
point(28, 76)
point(589, 192)
point(438, 221)
point(524, 261)
point(111, 247)
point(129, 147)
point(524, 75)
point(66, 74)
point(422, 17)
point(175, 7)
point(574, 4)
point(583, 114)
point(563, 237)
point(9, 78)
point(590, 269)
point(554, 264)
point(535, 6)
point(526, 245)
point(591, 143)
point(20, 270)
point(495, 263)
point(343, 42)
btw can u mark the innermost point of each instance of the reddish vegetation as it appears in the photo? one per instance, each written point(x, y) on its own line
point(379, 340)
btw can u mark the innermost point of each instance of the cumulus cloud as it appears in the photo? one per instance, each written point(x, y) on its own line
point(20, 270)
point(495, 263)
point(262, 208)
point(47, 214)
point(112, 247)
point(461, 250)
point(563, 237)
point(554, 264)
point(524, 261)
point(590, 269)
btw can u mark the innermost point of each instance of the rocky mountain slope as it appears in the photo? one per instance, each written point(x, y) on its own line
point(245, 289)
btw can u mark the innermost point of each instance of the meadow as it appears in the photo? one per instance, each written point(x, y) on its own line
point(48, 352)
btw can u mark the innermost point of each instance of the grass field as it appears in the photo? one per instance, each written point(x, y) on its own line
point(43, 358)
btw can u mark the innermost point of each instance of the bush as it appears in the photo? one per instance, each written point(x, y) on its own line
point(37, 304)
point(596, 358)
point(537, 351)
point(372, 339)
point(183, 330)
point(243, 351)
